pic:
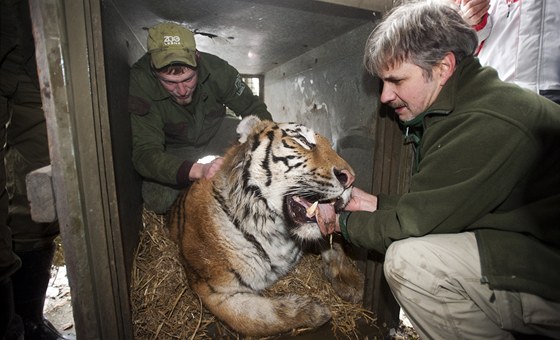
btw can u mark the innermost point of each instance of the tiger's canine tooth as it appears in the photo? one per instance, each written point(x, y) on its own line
point(311, 210)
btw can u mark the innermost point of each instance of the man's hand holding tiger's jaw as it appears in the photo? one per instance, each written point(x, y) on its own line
point(328, 219)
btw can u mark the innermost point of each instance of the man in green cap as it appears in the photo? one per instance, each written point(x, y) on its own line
point(178, 99)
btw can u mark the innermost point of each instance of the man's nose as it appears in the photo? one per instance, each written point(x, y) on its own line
point(182, 88)
point(387, 94)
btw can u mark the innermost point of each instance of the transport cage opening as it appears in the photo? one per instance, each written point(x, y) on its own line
point(254, 83)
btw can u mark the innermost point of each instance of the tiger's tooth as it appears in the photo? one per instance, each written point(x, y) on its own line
point(311, 210)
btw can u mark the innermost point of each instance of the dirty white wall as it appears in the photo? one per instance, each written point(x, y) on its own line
point(329, 90)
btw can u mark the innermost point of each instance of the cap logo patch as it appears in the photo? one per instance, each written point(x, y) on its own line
point(171, 40)
point(170, 43)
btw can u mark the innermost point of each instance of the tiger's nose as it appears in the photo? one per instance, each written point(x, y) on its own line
point(345, 177)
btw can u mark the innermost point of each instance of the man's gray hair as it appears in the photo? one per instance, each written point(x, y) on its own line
point(421, 33)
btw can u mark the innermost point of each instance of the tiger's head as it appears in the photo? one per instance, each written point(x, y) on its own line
point(285, 168)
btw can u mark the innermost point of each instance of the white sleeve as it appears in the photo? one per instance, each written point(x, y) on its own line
point(484, 32)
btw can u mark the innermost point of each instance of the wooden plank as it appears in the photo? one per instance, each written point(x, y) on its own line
point(392, 160)
point(70, 63)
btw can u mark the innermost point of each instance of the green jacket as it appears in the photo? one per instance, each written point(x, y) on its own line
point(488, 161)
point(159, 123)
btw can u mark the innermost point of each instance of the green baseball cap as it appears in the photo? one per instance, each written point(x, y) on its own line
point(170, 43)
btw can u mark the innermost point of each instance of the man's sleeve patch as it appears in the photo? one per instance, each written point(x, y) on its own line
point(239, 85)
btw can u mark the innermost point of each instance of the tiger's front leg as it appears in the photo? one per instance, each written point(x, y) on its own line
point(342, 273)
point(252, 314)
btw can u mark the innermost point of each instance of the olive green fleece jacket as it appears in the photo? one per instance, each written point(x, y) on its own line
point(158, 123)
point(488, 161)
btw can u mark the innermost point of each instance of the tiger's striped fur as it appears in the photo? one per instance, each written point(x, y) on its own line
point(240, 231)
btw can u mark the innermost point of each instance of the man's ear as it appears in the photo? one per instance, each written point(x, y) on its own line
point(446, 67)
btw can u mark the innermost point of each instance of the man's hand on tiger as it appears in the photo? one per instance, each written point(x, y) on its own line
point(205, 170)
point(213, 167)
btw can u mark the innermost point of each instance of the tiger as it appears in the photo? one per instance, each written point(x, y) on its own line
point(246, 227)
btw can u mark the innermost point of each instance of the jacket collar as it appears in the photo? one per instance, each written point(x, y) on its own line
point(155, 91)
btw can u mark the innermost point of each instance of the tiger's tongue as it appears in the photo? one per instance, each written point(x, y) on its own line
point(323, 208)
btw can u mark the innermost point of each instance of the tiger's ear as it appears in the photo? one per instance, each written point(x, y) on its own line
point(246, 126)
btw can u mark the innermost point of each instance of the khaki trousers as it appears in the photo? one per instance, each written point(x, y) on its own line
point(436, 280)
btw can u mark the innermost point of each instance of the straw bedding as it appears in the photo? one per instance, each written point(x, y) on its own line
point(164, 307)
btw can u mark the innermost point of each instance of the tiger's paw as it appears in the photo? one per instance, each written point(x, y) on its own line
point(308, 313)
point(345, 278)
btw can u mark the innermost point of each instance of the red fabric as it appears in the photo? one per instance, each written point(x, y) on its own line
point(482, 23)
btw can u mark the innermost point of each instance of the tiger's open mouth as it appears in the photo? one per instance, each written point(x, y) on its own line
point(297, 207)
